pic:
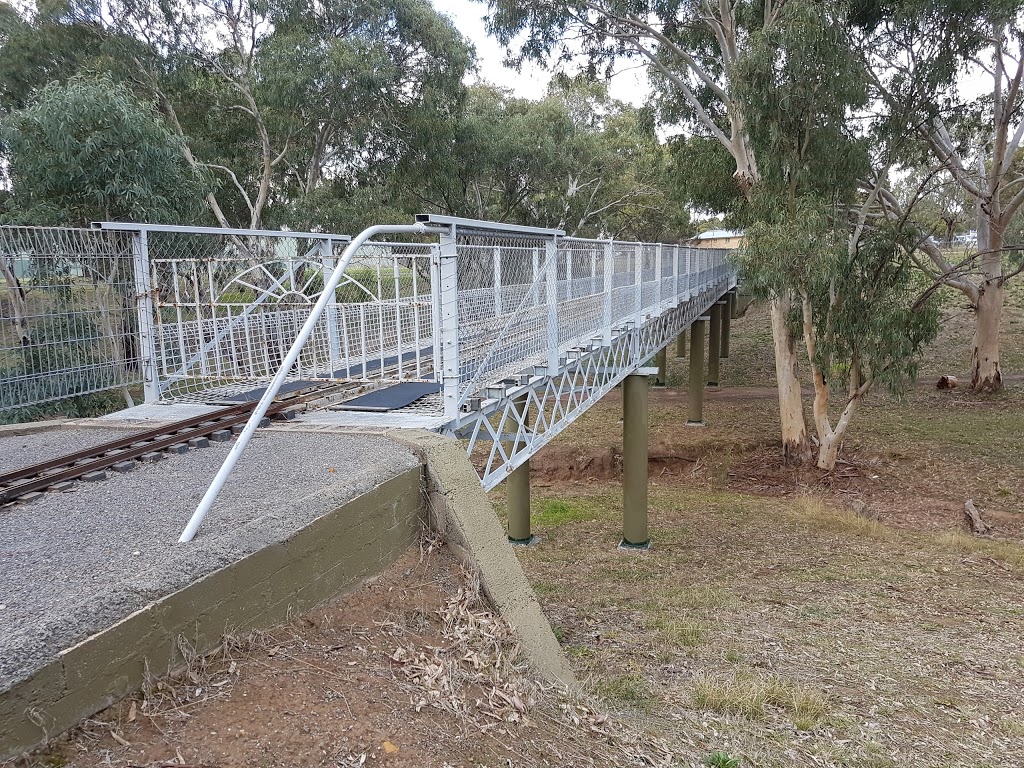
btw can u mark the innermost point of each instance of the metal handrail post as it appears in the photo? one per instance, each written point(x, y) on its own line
point(282, 372)
point(551, 279)
point(144, 307)
point(449, 313)
point(609, 287)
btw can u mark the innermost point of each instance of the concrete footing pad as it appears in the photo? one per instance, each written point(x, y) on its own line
point(459, 510)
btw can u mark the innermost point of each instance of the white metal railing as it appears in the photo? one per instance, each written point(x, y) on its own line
point(512, 300)
point(226, 305)
point(524, 299)
point(208, 313)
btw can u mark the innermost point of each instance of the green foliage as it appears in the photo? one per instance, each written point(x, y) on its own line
point(576, 160)
point(722, 760)
point(700, 175)
point(88, 151)
point(869, 321)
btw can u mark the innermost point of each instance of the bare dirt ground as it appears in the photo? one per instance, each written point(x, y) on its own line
point(410, 669)
point(768, 626)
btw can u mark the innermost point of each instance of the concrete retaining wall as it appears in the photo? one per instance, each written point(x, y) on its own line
point(331, 554)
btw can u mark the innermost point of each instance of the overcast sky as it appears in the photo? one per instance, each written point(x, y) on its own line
point(468, 16)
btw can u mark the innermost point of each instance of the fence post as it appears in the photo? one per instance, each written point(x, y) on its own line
point(638, 282)
point(144, 308)
point(657, 278)
point(609, 287)
point(497, 281)
point(675, 275)
point(449, 311)
point(435, 312)
point(334, 340)
point(551, 277)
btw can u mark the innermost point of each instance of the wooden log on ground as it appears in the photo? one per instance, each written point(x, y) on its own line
point(978, 525)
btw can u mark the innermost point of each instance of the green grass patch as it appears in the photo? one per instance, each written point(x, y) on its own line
point(555, 512)
point(630, 690)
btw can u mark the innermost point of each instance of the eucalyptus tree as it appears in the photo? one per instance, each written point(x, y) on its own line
point(577, 160)
point(693, 47)
point(90, 150)
point(968, 129)
point(279, 98)
point(860, 306)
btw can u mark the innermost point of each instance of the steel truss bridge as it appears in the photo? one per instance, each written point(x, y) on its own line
point(487, 332)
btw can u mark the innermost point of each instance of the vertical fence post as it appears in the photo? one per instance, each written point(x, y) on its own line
point(551, 278)
point(435, 312)
point(334, 339)
point(675, 275)
point(609, 287)
point(657, 277)
point(449, 311)
point(144, 307)
point(497, 281)
point(638, 283)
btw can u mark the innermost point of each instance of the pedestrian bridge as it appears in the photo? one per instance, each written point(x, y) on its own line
point(487, 332)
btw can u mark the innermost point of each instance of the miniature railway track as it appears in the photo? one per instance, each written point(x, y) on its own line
point(72, 466)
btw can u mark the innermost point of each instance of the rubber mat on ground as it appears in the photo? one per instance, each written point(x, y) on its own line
point(391, 398)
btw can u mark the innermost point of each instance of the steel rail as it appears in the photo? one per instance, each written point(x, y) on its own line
point(75, 465)
point(72, 466)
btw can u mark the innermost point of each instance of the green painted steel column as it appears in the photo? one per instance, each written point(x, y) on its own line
point(661, 360)
point(696, 386)
point(714, 342)
point(681, 344)
point(517, 488)
point(634, 462)
point(726, 322)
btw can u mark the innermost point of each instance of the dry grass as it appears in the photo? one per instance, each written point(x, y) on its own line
point(749, 694)
point(1008, 552)
point(817, 513)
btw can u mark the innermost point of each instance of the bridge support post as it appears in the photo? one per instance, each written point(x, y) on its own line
point(634, 463)
point(726, 323)
point(661, 360)
point(715, 342)
point(517, 489)
point(681, 344)
point(734, 303)
point(695, 416)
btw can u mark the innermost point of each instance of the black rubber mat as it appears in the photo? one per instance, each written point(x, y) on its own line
point(256, 394)
point(373, 364)
point(391, 398)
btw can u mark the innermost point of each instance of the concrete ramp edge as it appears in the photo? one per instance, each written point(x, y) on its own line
point(459, 511)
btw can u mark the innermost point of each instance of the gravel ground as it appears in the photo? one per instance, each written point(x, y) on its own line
point(20, 451)
point(73, 563)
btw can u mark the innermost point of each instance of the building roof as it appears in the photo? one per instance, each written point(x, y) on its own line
point(719, 234)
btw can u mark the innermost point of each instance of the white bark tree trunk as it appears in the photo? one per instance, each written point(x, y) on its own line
point(796, 449)
point(986, 375)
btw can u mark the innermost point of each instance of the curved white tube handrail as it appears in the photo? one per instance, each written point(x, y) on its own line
point(293, 354)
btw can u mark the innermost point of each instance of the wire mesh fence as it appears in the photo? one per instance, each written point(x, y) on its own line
point(525, 301)
point(229, 306)
point(206, 314)
point(68, 321)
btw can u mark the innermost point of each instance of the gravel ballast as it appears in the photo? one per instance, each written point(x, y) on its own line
point(73, 563)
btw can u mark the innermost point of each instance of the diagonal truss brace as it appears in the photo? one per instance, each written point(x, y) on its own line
point(583, 377)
